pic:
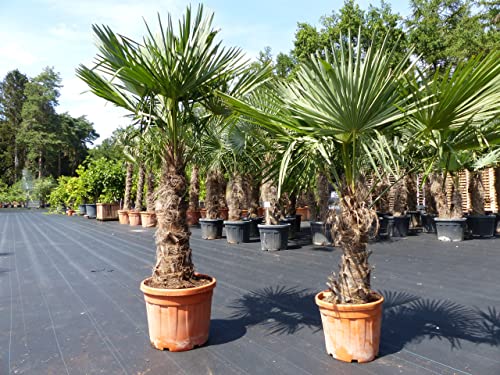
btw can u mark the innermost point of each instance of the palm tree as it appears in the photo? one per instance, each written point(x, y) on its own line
point(161, 80)
point(334, 108)
point(456, 114)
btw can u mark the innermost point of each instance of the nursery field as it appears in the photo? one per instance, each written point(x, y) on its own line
point(70, 303)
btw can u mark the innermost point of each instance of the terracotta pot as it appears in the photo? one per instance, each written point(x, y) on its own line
point(193, 217)
point(123, 217)
point(352, 332)
point(148, 219)
point(70, 212)
point(203, 213)
point(244, 213)
point(178, 319)
point(261, 211)
point(223, 213)
point(134, 218)
point(304, 211)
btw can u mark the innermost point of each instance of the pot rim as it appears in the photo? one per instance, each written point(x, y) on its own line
point(210, 220)
point(459, 219)
point(179, 292)
point(344, 306)
point(236, 222)
point(147, 213)
point(273, 226)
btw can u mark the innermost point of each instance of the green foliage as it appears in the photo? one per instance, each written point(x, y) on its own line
point(59, 197)
point(103, 180)
point(42, 188)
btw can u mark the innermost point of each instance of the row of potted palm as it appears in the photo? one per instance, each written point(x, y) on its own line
point(325, 120)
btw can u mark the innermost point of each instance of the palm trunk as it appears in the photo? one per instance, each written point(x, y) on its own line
point(212, 194)
point(222, 190)
point(411, 187)
point(128, 186)
point(380, 195)
point(400, 192)
point(323, 194)
point(140, 187)
point(253, 204)
point(430, 201)
point(174, 267)
point(235, 196)
point(194, 189)
point(350, 230)
point(456, 199)
point(270, 194)
point(150, 195)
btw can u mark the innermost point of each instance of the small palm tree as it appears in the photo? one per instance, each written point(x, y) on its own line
point(161, 80)
point(334, 108)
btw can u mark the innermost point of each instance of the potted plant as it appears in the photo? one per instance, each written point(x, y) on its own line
point(334, 107)
point(212, 224)
point(456, 112)
point(161, 80)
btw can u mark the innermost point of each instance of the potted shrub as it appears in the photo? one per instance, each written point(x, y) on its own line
point(212, 224)
point(334, 107)
point(192, 66)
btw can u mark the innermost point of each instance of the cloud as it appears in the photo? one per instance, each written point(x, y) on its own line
point(69, 33)
point(16, 54)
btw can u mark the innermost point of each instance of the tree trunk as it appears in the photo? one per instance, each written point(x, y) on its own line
point(476, 191)
point(150, 188)
point(430, 201)
point(16, 160)
point(270, 194)
point(174, 267)
point(253, 204)
point(438, 191)
point(322, 197)
point(212, 194)
point(411, 186)
point(222, 190)
point(235, 197)
point(140, 187)
point(400, 192)
point(380, 195)
point(194, 189)
point(128, 186)
point(40, 164)
point(350, 230)
point(456, 199)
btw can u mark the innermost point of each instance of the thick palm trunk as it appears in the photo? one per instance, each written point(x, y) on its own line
point(323, 194)
point(253, 204)
point(380, 195)
point(212, 194)
point(400, 193)
point(430, 201)
point(194, 189)
point(150, 188)
point(174, 267)
point(438, 191)
point(411, 187)
point(456, 198)
point(350, 230)
point(128, 185)
point(140, 187)
point(476, 191)
point(235, 196)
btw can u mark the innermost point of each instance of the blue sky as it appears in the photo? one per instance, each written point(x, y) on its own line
point(39, 33)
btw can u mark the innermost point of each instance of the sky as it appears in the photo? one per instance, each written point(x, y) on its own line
point(58, 33)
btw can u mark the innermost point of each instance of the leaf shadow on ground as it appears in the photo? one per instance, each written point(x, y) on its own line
point(410, 318)
point(6, 254)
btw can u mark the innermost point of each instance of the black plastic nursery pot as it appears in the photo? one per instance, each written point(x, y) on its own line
point(400, 226)
point(298, 221)
point(237, 231)
point(497, 224)
point(321, 233)
point(82, 210)
point(91, 211)
point(273, 237)
point(211, 229)
point(292, 228)
point(428, 223)
point(450, 229)
point(386, 222)
point(482, 226)
point(254, 221)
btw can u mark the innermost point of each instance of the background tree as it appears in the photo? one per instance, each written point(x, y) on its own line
point(12, 98)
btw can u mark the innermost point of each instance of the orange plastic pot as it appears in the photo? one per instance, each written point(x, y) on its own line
point(261, 211)
point(352, 332)
point(148, 219)
point(70, 212)
point(178, 319)
point(193, 217)
point(203, 213)
point(134, 218)
point(123, 216)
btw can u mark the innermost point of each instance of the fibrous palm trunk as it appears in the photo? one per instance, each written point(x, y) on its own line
point(351, 230)
point(323, 194)
point(253, 204)
point(150, 188)
point(212, 194)
point(476, 191)
point(140, 187)
point(400, 193)
point(174, 266)
point(128, 185)
point(411, 186)
point(235, 196)
point(430, 201)
point(194, 189)
point(380, 195)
